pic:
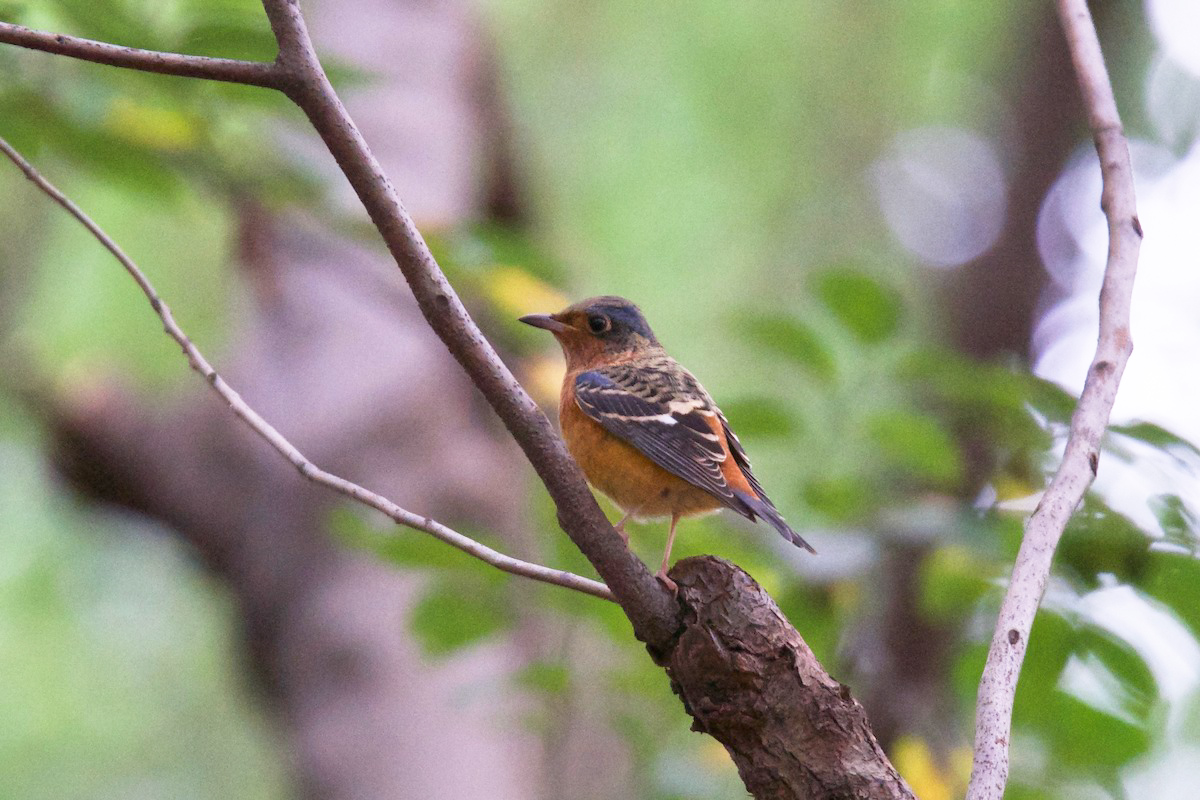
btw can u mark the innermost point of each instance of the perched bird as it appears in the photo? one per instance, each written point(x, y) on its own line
point(643, 429)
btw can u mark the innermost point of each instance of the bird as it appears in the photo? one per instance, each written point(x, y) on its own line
point(643, 429)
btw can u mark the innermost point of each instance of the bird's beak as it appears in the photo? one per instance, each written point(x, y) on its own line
point(546, 322)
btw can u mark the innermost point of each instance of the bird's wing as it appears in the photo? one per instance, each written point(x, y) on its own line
point(740, 458)
point(663, 412)
point(660, 409)
point(760, 505)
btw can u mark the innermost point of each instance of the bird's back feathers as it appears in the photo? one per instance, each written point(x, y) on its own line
point(661, 409)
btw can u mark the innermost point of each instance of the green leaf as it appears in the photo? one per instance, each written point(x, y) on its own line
point(110, 21)
point(867, 308)
point(1056, 403)
point(842, 499)
point(953, 580)
point(788, 337)
point(761, 417)
point(1112, 742)
point(248, 38)
point(1154, 435)
point(1100, 541)
point(455, 614)
point(917, 444)
point(1174, 580)
point(13, 11)
point(545, 676)
point(1178, 521)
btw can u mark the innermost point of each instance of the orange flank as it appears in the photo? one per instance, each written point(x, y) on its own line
point(642, 489)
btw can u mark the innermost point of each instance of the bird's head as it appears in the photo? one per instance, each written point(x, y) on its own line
point(597, 330)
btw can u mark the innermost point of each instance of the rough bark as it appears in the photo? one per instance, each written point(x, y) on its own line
point(749, 680)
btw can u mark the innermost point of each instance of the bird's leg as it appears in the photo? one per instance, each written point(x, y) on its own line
point(620, 526)
point(662, 570)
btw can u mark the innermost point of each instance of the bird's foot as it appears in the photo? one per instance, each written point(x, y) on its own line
point(666, 581)
point(620, 528)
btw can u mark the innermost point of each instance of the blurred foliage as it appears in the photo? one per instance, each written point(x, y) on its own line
point(119, 657)
point(709, 166)
point(120, 678)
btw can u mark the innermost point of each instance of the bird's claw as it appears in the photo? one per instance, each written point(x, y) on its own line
point(666, 581)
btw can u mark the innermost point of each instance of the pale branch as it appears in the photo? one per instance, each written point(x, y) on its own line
point(276, 439)
point(993, 721)
point(252, 73)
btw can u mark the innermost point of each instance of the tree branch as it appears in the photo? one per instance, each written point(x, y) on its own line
point(277, 440)
point(298, 73)
point(993, 721)
point(750, 681)
point(252, 73)
point(650, 608)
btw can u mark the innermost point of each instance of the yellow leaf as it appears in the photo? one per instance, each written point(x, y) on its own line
point(516, 292)
point(544, 378)
point(158, 128)
point(846, 595)
point(714, 756)
point(928, 779)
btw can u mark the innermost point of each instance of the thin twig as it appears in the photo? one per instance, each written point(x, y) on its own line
point(993, 720)
point(298, 73)
point(274, 438)
point(252, 73)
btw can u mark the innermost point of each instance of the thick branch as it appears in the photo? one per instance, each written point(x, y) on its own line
point(650, 608)
point(274, 438)
point(993, 722)
point(751, 682)
point(252, 73)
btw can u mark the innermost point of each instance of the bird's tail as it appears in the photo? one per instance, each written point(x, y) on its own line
point(763, 508)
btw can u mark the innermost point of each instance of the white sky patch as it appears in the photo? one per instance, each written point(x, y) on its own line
point(1073, 240)
point(1176, 26)
point(1088, 679)
point(1167, 773)
point(1166, 646)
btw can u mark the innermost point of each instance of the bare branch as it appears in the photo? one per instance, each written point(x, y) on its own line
point(651, 609)
point(277, 440)
point(993, 721)
point(251, 73)
point(299, 74)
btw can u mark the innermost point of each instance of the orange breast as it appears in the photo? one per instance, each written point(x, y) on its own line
point(621, 471)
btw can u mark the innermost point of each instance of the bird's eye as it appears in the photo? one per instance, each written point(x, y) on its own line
point(598, 323)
